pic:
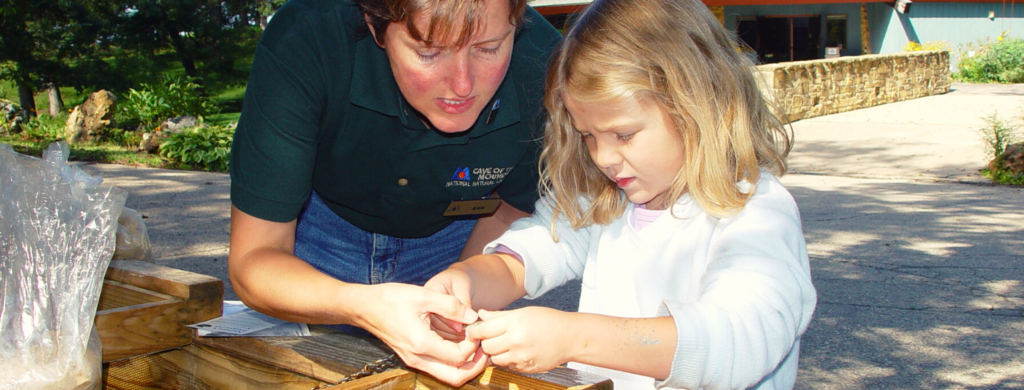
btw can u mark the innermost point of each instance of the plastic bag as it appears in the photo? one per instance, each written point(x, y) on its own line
point(56, 240)
point(132, 238)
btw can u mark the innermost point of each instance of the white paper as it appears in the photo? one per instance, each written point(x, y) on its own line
point(240, 321)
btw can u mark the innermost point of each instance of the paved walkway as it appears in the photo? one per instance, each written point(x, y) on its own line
point(918, 261)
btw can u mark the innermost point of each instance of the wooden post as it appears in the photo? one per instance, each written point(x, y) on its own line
point(719, 12)
point(865, 32)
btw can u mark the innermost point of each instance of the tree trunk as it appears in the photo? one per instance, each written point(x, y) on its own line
point(183, 56)
point(189, 65)
point(56, 102)
point(27, 99)
point(216, 11)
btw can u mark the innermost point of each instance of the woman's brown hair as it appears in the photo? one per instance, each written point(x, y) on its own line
point(444, 15)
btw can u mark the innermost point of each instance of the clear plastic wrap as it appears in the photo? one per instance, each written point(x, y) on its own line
point(57, 228)
point(132, 238)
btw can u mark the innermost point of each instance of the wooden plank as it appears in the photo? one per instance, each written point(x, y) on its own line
point(198, 367)
point(326, 355)
point(144, 307)
point(115, 295)
point(141, 329)
point(559, 378)
point(397, 379)
point(179, 283)
point(329, 355)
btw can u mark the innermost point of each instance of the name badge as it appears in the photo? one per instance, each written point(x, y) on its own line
point(471, 207)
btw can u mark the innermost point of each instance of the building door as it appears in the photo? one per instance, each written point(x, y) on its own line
point(783, 38)
point(774, 37)
point(806, 38)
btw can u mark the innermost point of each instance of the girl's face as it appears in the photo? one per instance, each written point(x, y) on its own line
point(449, 86)
point(634, 143)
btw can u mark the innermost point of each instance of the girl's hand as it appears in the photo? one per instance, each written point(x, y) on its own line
point(457, 283)
point(531, 339)
point(400, 316)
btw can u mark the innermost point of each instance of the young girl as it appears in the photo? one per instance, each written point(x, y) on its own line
point(660, 163)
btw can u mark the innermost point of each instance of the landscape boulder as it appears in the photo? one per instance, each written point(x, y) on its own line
point(1012, 159)
point(91, 117)
point(175, 125)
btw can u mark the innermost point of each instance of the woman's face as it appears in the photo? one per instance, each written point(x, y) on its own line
point(448, 85)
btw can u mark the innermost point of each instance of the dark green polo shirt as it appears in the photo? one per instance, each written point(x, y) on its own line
point(322, 112)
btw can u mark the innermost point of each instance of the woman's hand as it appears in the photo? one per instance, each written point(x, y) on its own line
point(455, 282)
point(399, 314)
point(532, 339)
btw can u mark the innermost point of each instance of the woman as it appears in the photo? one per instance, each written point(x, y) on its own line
point(375, 140)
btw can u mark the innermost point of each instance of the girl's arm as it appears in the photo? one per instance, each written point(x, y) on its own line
point(490, 227)
point(490, 281)
point(535, 339)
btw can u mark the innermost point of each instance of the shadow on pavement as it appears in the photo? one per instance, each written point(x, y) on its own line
point(919, 284)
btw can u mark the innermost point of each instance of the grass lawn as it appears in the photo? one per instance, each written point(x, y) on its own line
point(91, 152)
point(226, 90)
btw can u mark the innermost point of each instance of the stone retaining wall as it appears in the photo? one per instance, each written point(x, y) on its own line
point(807, 89)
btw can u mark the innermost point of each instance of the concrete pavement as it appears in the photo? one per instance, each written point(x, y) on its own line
point(918, 260)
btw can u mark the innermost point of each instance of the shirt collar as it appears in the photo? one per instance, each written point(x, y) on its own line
point(374, 88)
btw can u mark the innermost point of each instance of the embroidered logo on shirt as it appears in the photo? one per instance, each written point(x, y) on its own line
point(461, 174)
point(489, 176)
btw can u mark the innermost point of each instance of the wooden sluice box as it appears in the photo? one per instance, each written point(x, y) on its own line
point(141, 320)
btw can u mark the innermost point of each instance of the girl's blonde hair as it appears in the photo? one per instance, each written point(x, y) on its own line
point(676, 53)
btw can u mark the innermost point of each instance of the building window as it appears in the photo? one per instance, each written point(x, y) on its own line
point(835, 30)
point(746, 28)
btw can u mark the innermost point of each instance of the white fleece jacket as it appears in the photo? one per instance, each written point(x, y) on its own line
point(738, 288)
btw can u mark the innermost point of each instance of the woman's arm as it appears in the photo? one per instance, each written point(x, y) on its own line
point(535, 339)
point(269, 278)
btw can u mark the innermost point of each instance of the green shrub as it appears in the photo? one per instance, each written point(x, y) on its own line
point(998, 135)
point(122, 137)
point(201, 147)
point(1001, 61)
point(149, 106)
point(44, 128)
point(1003, 176)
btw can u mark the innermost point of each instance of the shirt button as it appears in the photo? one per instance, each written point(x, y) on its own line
point(403, 181)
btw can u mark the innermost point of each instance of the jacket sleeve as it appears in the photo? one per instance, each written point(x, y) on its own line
point(756, 299)
point(551, 259)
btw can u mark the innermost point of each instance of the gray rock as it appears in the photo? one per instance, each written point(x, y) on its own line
point(175, 125)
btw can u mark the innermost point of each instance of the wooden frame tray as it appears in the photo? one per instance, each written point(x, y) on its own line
point(305, 363)
point(141, 320)
point(144, 307)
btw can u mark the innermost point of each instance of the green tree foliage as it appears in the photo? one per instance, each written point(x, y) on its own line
point(202, 33)
point(267, 8)
point(150, 105)
point(50, 43)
